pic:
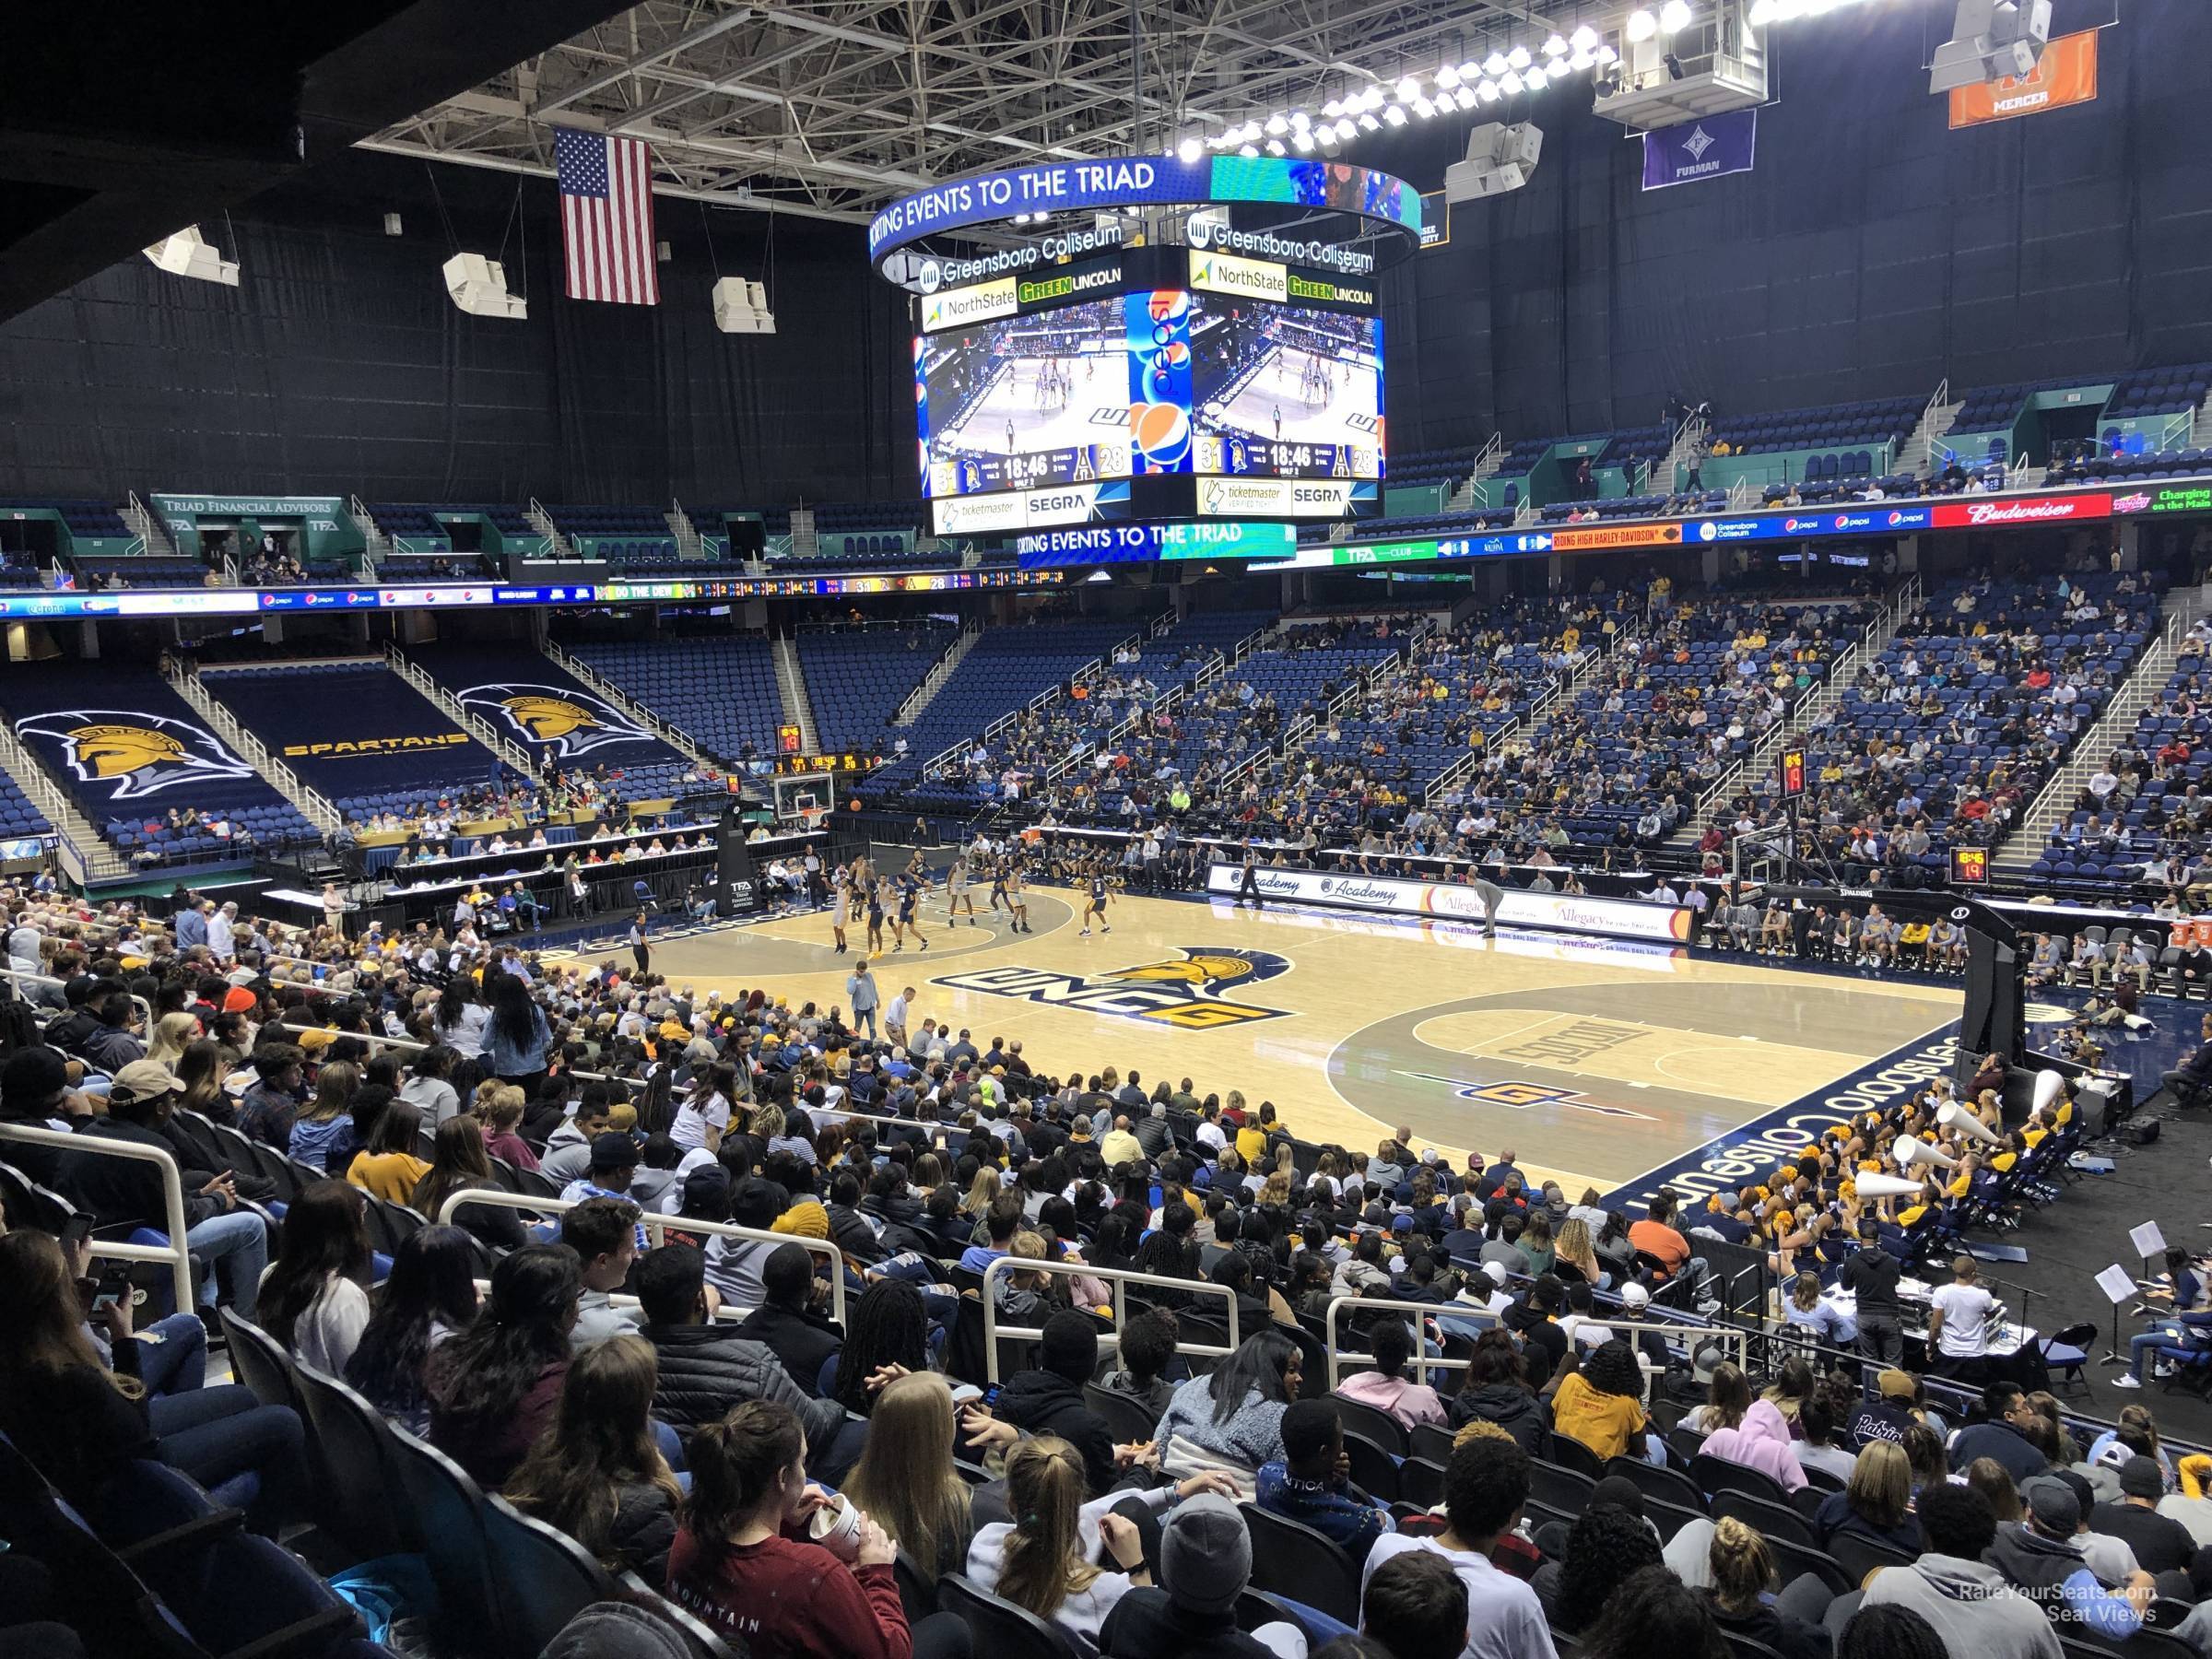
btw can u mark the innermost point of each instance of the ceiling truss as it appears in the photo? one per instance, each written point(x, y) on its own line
point(831, 109)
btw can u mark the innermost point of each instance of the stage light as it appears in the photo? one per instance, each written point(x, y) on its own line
point(1511, 85)
point(1607, 56)
point(1332, 109)
point(1395, 114)
point(1990, 39)
point(1536, 79)
point(1375, 98)
point(1673, 66)
point(1555, 47)
point(187, 253)
point(1301, 139)
point(1580, 62)
point(1190, 149)
point(1249, 152)
point(1762, 12)
point(1465, 95)
point(1641, 25)
point(1673, 17)
point(1347, 130)
point(1447, 77)
point(1424, 109)
point(1487, 91)
point(1274, 146)
point(1519, 58)
point(1470, 73)
point(1278, 124)
point(1495, 64)
point(1583, 38)
point(1301, 120)
point(1410, 88)
point(1368, 122)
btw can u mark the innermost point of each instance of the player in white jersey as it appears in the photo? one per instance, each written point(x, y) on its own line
point(842, 911)
point(1010, 884)
point(957, 894)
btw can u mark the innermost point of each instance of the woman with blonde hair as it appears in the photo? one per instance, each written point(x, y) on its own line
point(1047, 1560)
point(203, 1069)
point(499, 1107)
point(321, 1133)
point(905, 1481)
point(1743, 1576)
point(980, 1194)
point(597, 1473)
point(1877, 1504)
point(1572, 1248)
point(173, 1034)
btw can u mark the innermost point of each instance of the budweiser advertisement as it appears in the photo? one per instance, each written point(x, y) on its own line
point(2004, 512)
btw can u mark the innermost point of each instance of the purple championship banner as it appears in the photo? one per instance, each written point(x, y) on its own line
point(1701, 150)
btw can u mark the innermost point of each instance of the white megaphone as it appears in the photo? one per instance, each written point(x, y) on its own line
point(1952, 1115)
point(1910, 1152)
point(2049, 1086)
point(1887, 1186)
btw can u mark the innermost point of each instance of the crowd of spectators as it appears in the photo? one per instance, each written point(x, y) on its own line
point(685, 1402)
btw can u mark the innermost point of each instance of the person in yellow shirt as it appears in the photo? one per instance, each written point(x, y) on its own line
point(1600, 1401)
point(388, 1166)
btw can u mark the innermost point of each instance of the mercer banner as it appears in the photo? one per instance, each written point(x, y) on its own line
point(2066, 74)
point(1699, 149)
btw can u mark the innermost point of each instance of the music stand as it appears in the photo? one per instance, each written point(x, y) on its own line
point(2119, 1284)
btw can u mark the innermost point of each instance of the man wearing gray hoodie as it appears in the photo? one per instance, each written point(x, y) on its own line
point(1976, 1613)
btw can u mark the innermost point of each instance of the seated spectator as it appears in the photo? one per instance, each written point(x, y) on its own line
point(1817, 1425)
point(428, 1298)
point(2161, 1544)
point(1877, 1505)
point(1607, 1542)
point(494, 1387)
point(1311, 1484)
point(1205, 1565)
point(1232, 1419)
point(735, 1266)
point(325, 1124)
point(233, 1244)
point(1486, 1484)
point(1743, 1579)
point(460, 1162)
point(603, 1232)
point(1966, 1599)
point(743, 1562)
point(790, 1322)
point(597, 1473)
point(887, 1330)
point(1049, 1400)
point(1384, 1387)
point(905, 1481)
point(1496, 1390)
point(706, 1367)
point(2002, 1433)
point(82, 1415)
point(388, 1165)
point(1043, 1560)
point(2040, 1557)
point(315, 1300)
point(1600, 1401)
point(1652, 1612)
point(1760, 1442)
point(1146, 1348)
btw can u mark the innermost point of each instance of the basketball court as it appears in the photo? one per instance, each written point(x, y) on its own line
point(1338, 407)
point(1595, 1061)
point(1086, 401)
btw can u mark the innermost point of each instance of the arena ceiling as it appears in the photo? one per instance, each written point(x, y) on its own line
point(832, 108)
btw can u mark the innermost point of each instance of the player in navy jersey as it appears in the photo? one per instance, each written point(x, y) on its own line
point(1096, 906)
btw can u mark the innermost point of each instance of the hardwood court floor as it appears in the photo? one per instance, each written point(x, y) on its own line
point(1595, 1062)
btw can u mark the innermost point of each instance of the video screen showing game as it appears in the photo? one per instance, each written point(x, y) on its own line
point(1285, 391)
point(1025, 402)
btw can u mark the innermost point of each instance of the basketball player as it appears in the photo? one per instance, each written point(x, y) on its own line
point(999, 879)
point(909, 893)
point(843, 913)
point(1009, 883)
point(1249, 886)
point(875, 939)
point(957, 893)
point(1009, 437)
point(1095, 905)
point(1278, 422)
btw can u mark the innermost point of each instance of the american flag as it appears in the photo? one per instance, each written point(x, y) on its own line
point(606, 216)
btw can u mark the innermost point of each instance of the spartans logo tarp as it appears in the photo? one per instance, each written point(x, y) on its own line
point(1185, 994)
point(121, 755)
point(573, 721)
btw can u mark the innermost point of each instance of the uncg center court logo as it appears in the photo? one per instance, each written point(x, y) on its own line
point(1184, 994)
point(572, 722)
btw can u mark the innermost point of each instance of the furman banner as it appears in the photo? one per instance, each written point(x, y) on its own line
point(1454, 901)
point(1699, 149)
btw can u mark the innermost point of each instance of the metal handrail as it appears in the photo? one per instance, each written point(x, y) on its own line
point(1117, 1277)
point(145, 1008)
point(1423, 1363)
point(656, 1226)
point(176, 1252)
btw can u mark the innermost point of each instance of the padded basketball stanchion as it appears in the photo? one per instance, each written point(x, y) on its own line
point(735, 890)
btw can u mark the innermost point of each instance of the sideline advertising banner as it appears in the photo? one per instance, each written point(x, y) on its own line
point(1453, 901)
